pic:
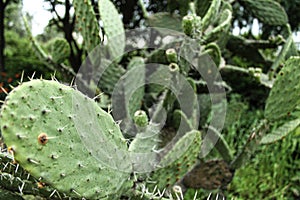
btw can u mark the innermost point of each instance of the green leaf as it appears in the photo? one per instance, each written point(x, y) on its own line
point(113, 28)
point(267, 11)
point(281, 132)
point(284, 96)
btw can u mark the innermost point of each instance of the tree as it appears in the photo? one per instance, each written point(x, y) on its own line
point(66, 24)
point(3, 7)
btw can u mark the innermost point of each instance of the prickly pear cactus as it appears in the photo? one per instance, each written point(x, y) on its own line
point(267, 11)
point(173, 166)
point(59, 49)
point(87, 22)
point(113, 28)
point(39, 123)
point(284, 96)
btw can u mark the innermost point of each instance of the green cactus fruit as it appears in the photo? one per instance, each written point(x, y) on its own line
point(45, 124)
point(171, 55)
point(173, 68)
point(284, 96)
point(59, 50)
point(140, 118)
point(177, 162)
point(87, 23)
point(191, 25)
point(267, 11)
point(114, 29)
point(211, 14)
point(281, 132)
point(187, 25)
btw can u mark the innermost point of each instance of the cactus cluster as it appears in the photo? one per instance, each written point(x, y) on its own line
point(61, 144)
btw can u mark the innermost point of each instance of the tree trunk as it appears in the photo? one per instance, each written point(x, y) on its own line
point(2, 38)
point(68, 28)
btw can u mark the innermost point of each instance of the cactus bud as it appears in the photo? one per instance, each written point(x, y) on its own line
point(173, 67)
point(171, 55)
point(140, 118)
point(187, 25)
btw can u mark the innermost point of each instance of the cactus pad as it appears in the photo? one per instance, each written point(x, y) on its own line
point(173, 166)
point(267, 11)
point(43, 122)
point(284, 96)
point(113, 28)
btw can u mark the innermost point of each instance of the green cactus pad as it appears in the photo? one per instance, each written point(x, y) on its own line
point(113, 28)
point(267, 11)
point(87, 22)
point(113, 72)
point(59, 50)
point(284, 96)
point(211, 14)
point(43, 122)
point(218, 32)
point(174, 165)
point(281, 132)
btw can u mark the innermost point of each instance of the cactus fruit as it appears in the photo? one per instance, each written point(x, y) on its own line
point(140, 118)
point(191, 25)
point(171, 55)
point(42, 122)
point(283, 97)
